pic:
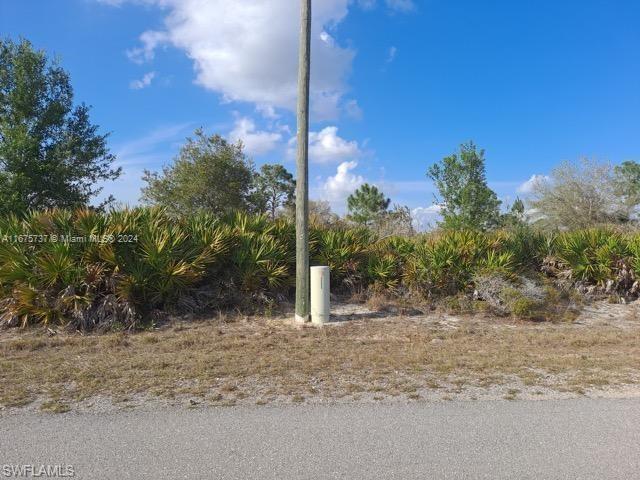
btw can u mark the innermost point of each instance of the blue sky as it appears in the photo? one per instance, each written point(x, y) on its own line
point(397, 84)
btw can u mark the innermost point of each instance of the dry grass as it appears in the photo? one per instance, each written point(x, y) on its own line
point(264, 360)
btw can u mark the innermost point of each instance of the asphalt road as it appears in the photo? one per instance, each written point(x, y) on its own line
point(568, 439)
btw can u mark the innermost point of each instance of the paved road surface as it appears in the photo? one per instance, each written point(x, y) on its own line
point(569, 439)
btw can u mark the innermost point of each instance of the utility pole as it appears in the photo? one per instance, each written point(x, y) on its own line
point(302, 180)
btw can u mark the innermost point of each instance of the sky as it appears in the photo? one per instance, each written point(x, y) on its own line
point(396, 84)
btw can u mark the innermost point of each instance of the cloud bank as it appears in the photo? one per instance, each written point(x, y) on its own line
point(248, 51)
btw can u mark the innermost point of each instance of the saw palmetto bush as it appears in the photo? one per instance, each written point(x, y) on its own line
point(345, 252)
point(100, 270)
point(445, 263)
point(158, 262)
point(42, 279)
point(528, 246)
point(386, 263)
point(592, 255)
point(633, 247)
point(91, 269)
point(263, 254)
point(442, 263)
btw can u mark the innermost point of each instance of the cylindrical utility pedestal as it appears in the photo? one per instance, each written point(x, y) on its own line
point(320, 301)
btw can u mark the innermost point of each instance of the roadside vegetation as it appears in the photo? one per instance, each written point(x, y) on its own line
point(214, 237)
point(131, 268)
point(217, 234)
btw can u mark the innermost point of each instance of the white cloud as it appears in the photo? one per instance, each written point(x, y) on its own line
point(256, 142)
point(338, 187)
point(326, 146)
point(145, 81)
point(527, 187)
point(150, 41)
point(267, 111)
point(424, 218)
point(391, 54)
point(247, 51)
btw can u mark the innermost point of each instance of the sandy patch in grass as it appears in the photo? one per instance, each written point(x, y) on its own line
point(366, 356)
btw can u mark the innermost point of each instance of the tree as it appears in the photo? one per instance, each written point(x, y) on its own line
point(366, 204)
point(209, 174)
point(580, 195)
point(627, 183)
point(397, 221)
point(516, 215)
point(274, 188)
point(50, 153)
point(465, 198)
point(320, 214)
point(517, 209)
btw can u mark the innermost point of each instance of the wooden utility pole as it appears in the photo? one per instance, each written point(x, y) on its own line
point(302, 180)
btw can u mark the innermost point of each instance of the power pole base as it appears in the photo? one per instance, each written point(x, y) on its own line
point(302, 318)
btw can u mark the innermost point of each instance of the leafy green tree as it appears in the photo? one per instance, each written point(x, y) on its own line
point(367, 204)
point(516, 216)
point(209, 174)
point(50, 153)
point(274, 188)
point(466, 199)
point(517, 208)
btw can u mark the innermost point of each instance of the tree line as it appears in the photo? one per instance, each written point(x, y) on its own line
point(52, 155)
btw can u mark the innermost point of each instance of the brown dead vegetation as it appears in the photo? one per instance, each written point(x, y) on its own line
point(262, 360)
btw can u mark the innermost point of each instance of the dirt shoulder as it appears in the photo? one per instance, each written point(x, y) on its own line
point(365, 357)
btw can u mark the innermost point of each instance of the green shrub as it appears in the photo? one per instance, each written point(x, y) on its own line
point(345, 252)
point(593, 254)
point(263, 253)
point(444, 264)
point(93, 270)
point(118, 269)
point(386, 261)
point(522, 306)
